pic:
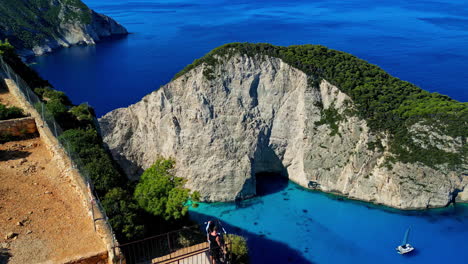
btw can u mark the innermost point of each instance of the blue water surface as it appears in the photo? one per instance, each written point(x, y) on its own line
point(294, 225)
point(421, 41)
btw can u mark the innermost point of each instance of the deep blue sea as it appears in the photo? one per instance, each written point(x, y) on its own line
point(421, 41)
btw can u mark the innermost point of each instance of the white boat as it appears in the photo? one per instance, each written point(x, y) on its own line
point(405, 247)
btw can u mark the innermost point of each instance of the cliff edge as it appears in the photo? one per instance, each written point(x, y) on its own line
point(40, 26)
point(307, 112)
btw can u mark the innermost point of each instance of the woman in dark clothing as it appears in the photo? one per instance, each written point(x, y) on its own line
point(215, 245)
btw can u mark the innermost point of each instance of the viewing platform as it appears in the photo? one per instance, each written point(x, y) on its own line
point(196, 254)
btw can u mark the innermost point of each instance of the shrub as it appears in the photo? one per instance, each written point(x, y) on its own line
point(56, 108)
point(332, 118)
point(96, 163)
point(10, 112)
point(5, 46)
point(160, 193)
point(123, 213)
point(47, 94)
point(238, 248)
point(83, 112)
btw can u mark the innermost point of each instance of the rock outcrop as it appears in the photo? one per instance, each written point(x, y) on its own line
point(38, 27)
point(258, 114)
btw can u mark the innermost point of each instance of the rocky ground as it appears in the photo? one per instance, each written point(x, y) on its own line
point(6, 99)
point(41, 217)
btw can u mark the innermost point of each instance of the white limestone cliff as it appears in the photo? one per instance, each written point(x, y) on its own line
point(261, 115)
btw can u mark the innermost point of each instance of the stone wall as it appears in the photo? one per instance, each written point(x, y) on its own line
point(64, 162)
point(18, 127)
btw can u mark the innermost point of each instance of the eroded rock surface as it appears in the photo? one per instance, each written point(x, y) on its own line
point(262, 115)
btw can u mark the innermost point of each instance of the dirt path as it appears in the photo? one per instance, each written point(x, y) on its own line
point(6, 98)
point(41, 207)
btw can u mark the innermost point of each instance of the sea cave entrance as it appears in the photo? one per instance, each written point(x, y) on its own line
point(270, 182)
point(270, 174)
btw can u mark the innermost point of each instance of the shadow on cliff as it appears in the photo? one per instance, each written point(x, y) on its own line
point(261, 249)
point(126, 167)
point(270, 174)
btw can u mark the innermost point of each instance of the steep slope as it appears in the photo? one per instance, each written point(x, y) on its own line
point(249, 108)
point(35, 27)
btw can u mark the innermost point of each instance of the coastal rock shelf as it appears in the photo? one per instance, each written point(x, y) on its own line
point(56, 24)
point(249, 114)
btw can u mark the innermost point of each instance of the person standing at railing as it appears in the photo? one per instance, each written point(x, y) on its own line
point(209, 227)
point(216, 247)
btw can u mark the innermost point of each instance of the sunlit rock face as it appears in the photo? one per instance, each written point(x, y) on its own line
point(259, 114)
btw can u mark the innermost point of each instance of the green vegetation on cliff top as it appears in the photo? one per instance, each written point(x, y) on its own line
point(388, 104)
point(28, 23)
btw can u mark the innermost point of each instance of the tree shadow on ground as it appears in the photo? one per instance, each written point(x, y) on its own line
point(6, 155)
point(261, 249)
point(3, 86)
point(5, 255)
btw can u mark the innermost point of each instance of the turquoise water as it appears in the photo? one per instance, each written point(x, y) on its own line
point(424, 42)
point(294, 225)
point(421, 41)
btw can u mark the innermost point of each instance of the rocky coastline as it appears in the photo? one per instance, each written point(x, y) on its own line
point(259, 114)
point(58, 24)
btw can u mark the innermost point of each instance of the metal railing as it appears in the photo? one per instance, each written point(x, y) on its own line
point(187, 244)
point(48, 121)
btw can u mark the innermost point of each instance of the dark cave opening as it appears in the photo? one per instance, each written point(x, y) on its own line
point(270, 182)
point(270, 174)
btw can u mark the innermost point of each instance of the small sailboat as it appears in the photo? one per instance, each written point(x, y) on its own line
point(405, 247)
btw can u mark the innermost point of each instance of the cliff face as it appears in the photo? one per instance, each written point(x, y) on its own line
point(259, 114)
point(39, 26)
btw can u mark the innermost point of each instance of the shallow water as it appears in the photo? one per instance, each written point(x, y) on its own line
point(294, 225)
point(424, 42)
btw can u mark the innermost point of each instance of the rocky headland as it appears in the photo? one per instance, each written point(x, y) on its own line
point(312, 114)
point(37, 27)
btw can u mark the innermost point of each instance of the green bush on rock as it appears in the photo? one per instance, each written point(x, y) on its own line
point(123, 213)
point(85, 144)
point(238, 248)
point(10, 112)
point(5, 46)
point(161, 193)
